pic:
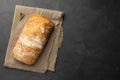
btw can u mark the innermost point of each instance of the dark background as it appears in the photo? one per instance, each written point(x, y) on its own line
point(91, 47)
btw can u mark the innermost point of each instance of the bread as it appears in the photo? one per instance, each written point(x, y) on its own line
point(32, 40)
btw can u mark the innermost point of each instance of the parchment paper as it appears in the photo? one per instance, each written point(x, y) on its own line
point(48, 58)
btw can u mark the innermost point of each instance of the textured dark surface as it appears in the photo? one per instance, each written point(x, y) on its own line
point(91, 47)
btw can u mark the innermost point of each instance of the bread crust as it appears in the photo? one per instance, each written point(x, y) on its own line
point(32, 39)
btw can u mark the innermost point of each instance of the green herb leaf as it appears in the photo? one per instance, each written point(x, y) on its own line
point(21, 16)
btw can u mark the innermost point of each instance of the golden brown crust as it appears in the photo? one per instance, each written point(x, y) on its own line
point(32, 39)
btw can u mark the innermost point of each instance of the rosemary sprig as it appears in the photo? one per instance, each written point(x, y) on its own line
point(21, 16)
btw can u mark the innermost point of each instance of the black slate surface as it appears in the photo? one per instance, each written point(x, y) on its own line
point(91, 47)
